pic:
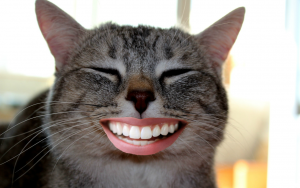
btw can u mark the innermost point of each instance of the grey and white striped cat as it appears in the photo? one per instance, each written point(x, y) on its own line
point(130, 107)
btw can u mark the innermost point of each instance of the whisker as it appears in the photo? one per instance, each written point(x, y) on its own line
point(13, 119)
point(203, 124)
point(23, 151)
point(56, 121)
point(193, 132)
point(48, 152)
point(70, 146)
point(49, 145)
point(206, 132)
point(240, 126)
point(55, 102)
point(47, 104)
point(214, 117)
point(193, 150)
point(24, 110)
point(227, 122)
point(38, 117)
point(40, 131)
point(231, 125)
point(206, 124)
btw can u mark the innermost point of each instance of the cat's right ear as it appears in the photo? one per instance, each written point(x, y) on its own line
point(59, 29)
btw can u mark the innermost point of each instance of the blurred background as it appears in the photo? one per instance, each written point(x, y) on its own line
point(261, 75)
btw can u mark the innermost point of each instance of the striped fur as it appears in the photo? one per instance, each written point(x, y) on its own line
point(94, 74)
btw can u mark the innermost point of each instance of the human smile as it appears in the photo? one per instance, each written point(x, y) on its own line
point(142, 136)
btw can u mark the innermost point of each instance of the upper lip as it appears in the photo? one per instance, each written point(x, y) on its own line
point(143, 122)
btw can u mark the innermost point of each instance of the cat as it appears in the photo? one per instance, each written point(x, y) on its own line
point(130, 107)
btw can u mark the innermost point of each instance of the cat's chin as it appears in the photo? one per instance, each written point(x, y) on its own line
point(142, 136)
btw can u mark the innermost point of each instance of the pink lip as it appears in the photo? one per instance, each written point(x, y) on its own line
point(146, 149)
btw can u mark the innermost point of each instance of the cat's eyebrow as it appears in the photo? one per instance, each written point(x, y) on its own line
point(117, 65)
point(108, 71)
point(165, 65)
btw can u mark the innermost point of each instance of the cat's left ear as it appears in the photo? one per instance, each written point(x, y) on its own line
point(59, 29)
point(219, 37)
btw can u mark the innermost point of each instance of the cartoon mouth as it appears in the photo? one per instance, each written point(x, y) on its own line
point(142, 136)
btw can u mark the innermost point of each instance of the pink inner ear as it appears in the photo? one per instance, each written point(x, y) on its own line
point(54, 47)
point(59, 29)
point(58, 50)
point(219, 51)
point(220, 36)
point(221, 46)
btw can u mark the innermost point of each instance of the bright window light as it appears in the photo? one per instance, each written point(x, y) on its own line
point(25, 52)
point(23, 49)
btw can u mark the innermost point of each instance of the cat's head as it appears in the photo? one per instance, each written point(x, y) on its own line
point(141, 77)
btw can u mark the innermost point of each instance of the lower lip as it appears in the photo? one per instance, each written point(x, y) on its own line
point(149, 149)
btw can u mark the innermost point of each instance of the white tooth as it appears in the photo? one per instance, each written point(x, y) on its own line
point(119, 128)
point(171, 129)
point(114, 127)
point(125, 130)
point(150, 142)
point(135, 142)
point(110, 126)
point(128, 141)
point(176, 127)
point(156, 131)
point(121, 137)
point(135, 132)
point(164, 130)
point(146, 133)
point(143, 143)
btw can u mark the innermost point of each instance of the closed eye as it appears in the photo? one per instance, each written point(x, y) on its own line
point(172, 73)
point(113, 72)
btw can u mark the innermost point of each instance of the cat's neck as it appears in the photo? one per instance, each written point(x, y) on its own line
point(137, 173)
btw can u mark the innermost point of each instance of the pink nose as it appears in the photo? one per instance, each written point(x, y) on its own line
point(140, 99)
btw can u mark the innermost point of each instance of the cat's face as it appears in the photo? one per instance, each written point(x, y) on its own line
point(142, 73)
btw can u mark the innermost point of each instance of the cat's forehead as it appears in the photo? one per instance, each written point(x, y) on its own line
point(139, 48)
